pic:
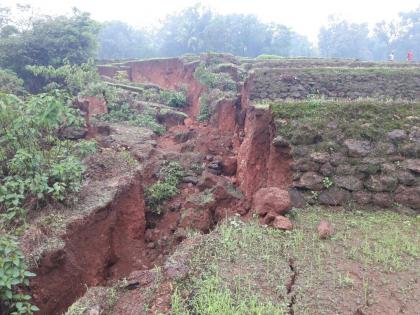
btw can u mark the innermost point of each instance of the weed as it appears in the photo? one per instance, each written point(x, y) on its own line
point(13, 274)
point(166, 187)
point(221, 81)
point(327, 182)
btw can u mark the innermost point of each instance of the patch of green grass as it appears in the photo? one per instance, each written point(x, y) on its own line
point(212, 80)
point(203, 198)
point(244, 268)
point(166, 187)
point(364, 119)
point(106, 297)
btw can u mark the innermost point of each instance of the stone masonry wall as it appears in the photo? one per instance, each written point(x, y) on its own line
point(381, 83)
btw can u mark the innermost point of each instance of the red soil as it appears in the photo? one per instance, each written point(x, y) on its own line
point(123, 237)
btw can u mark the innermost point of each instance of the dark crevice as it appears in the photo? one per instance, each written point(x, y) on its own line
point(290, 285)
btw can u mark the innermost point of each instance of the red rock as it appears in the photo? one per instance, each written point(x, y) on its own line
point(229, 166)
point(188, 122)
point(325, 229)
point(282, 223)
point(271, 199)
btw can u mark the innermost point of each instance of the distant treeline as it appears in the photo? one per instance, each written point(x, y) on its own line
point(30, 39)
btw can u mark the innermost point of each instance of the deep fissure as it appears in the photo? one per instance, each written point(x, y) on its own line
point(290, 286)
point(112, 242)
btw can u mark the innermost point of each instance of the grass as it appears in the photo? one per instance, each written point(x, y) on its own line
point(243, 267)
point(363, 119)
point(106, 297)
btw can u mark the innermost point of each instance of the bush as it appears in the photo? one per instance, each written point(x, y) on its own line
point(34, 163)
point(13, 276)
point(177, 99)
point(10, 83)
point(221, 81)
point(81, 79)
point(166, 187)
point(124, 113)
point(205, 113)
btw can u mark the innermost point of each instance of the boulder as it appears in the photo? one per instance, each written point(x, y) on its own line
point(305, 165)
point(410, 150)
point(383, 200)
point(351, 183)
point(325, 229)
point(362, 197)
point(271, 199)
point(381, 183)
point(406, 178)
point(345, 169)
point(320, 157)
point(74, 133)
point(327, 169)
point(408, 196)
point(229, 166)
point(280, 142)
point(412, 165)
point(334, 197)
point(397, 135)
point(282, 223)
point(357, 148)
point(310, 180)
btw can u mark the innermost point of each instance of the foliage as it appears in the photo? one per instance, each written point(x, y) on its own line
point(49, 41)
point(10, 83)
point(166, 187)
point(363, 119)
point(175, 99)
point(124, 113)
point(117, 40)
point(243, 267)
point(35, 164)
point(81, 79)
point(13, 276)
point(221, 81)
point(205, 113)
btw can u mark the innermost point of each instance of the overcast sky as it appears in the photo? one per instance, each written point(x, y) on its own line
point(304, 16)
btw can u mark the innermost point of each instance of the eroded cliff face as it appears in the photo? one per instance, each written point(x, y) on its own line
point(260, 164)
point(98, 247)
point(113, 240)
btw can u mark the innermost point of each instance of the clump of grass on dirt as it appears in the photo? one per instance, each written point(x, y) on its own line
point(166, 187)
point(363, 119)
point(246, 268)
point(106, 297)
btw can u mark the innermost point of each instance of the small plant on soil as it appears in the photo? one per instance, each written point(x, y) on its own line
point(327, 182)
point(35, 164)
point(221, 81)
point(13, 278)
point(166, 187)
point(205, 112)
point(124, 113)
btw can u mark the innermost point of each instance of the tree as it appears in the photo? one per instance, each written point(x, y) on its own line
point(342, 39)
point(49, 41)
point(117, 40)
point(182, 32)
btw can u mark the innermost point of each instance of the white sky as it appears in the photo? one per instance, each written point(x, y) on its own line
point(304, 16)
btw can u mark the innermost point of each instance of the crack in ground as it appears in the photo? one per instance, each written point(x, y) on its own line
point(290, 286)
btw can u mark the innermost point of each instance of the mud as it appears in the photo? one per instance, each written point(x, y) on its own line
point(124, 236)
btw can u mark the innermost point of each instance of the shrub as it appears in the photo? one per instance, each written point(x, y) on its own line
point(175, 99)
point(221, 81)
point(124, 113)
point(205, 113)
point(13, 276)
point(34, 163)
point(81, 79)
point(166, 187)
point(10, 83)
